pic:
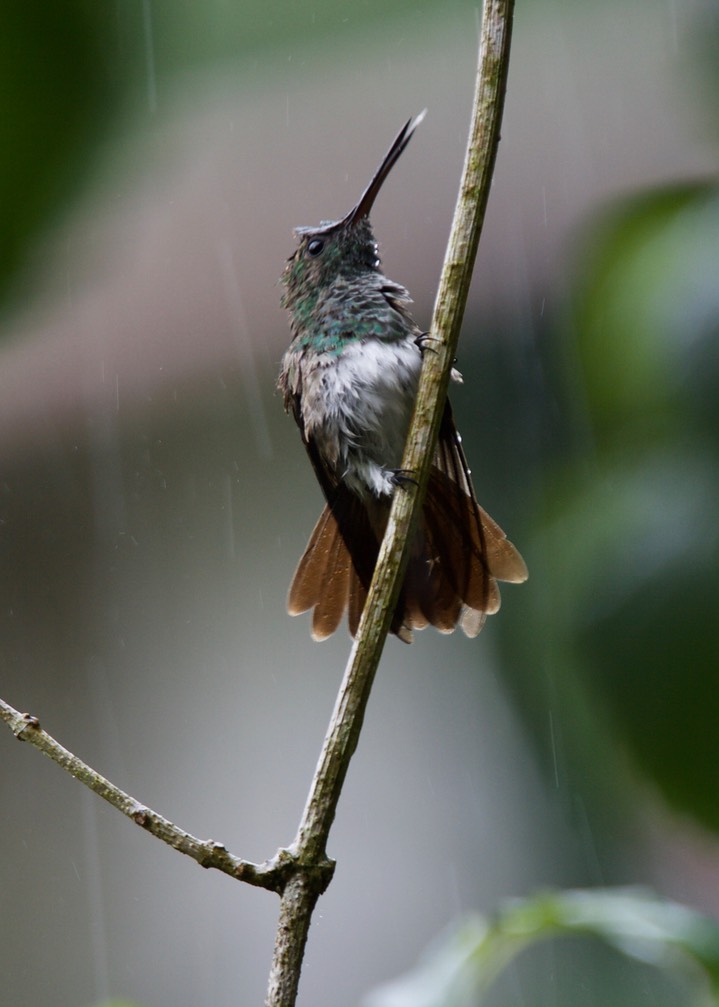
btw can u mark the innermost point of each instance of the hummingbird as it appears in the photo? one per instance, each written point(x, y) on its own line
point(349, 378)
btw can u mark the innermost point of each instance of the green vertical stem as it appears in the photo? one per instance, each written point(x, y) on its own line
point(309, 848)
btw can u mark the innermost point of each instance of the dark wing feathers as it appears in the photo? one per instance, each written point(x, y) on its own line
point(457, 557)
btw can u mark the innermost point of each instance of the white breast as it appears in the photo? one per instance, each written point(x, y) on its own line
point(356, 405)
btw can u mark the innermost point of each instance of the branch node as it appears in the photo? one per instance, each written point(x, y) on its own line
point(25, 724)
point(287, 865)
point(141, 816)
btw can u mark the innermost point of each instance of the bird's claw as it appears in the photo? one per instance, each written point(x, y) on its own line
point(422, 341)
point(402, 476)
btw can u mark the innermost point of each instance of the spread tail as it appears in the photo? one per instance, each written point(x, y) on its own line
point(458, 554)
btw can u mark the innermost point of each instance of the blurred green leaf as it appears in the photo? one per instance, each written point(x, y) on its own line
point(653, 646)
point(55, 77)
point(630, 546)
point(461, 968)
point(648, 307)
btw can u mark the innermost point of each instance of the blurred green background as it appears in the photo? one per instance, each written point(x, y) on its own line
point(154, 499)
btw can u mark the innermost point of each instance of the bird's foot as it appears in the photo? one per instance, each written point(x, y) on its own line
point(423, 340)
point(401, 477)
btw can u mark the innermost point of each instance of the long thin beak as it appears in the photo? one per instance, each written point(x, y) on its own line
point(368, 197)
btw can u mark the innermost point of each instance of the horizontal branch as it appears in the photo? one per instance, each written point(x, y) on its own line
point(272, 874)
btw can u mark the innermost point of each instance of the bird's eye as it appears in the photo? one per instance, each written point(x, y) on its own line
point(315, 247)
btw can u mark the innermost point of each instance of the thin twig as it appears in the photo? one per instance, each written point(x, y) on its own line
point(207, 853)
point(309, 847)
